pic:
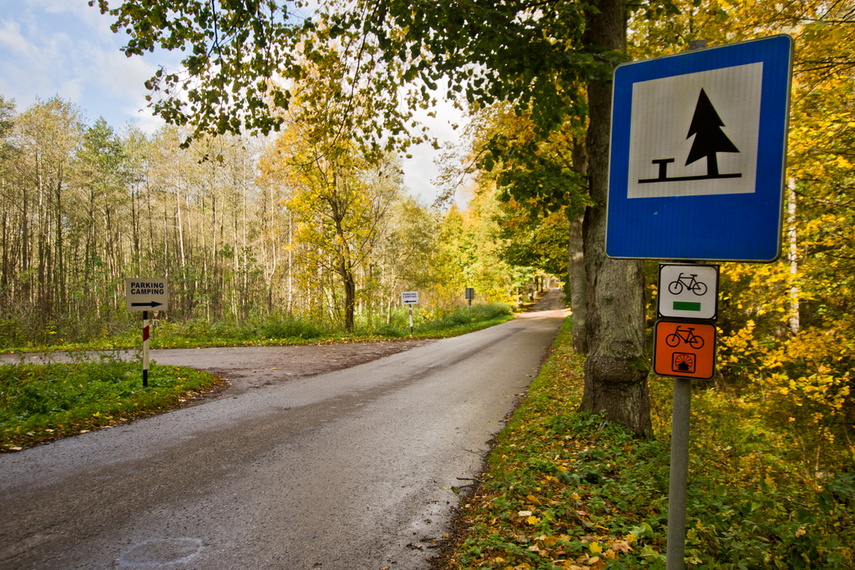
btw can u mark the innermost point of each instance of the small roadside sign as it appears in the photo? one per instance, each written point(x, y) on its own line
point(143, 294)
point(684, 349)
point(470, 293)
point(409, 297)
point(688, 291)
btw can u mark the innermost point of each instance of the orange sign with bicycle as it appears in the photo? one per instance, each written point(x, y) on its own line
point(684, 349)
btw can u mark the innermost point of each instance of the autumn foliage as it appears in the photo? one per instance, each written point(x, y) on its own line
point(567, 490)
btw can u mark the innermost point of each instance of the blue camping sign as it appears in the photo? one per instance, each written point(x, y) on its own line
point(698, 153)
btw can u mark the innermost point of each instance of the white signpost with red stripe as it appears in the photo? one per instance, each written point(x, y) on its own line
point(410, 298)
point(146, 295)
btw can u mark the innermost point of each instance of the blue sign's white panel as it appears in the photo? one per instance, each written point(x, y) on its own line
point(698, 150)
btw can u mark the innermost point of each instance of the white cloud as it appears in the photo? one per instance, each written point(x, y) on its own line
point(66, 48)
point(421, 171)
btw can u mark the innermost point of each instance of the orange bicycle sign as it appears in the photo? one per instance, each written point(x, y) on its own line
point(684, 349)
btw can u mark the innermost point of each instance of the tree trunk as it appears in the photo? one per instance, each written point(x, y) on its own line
point(793, 257)
point(349, 298)
point(578, 286)
point(576, 260)
point(615, 368)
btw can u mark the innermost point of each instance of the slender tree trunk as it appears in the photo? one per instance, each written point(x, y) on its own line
point(793, 257)
point(25, 243)
point(349, 296)
point(60, 269)
point(5, 279)
point(181, 248)
point(615, 368)
point(576, 263)
point(578, 285)
point(290, 264)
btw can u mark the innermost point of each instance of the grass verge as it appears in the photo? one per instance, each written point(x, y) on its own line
point(565, 490)
point(278, 331)
point(40, 403)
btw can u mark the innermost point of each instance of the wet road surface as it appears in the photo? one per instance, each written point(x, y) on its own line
point(346, 470)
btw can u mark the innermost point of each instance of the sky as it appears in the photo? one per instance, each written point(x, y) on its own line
point(66, 48)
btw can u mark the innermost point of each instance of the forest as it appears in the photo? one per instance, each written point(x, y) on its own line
point(309, 219)
point(239, 239)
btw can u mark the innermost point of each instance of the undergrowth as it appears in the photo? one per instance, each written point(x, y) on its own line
point(47, 401)
point(271, 331)
point(565, 489)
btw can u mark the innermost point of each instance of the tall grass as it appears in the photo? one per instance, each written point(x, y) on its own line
point(427, 322)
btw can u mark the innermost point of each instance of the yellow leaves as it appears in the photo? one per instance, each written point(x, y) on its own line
point(529, 517)
point(548, 540)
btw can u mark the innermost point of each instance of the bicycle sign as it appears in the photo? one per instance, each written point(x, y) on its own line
point(685, 349)
point(686, 335)
point(689, 283)
point(688, 291)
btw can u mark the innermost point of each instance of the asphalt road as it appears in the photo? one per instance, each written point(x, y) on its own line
point(347, 470)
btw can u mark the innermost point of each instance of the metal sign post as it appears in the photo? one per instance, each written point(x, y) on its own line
point(678, 482)
point(683, 349)
point(145, 295)
point(696, 173)
point(470, 294)
point(145, 336)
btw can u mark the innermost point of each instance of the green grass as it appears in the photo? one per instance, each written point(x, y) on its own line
point(273, 331)
point(564, 489)
point(40, 403)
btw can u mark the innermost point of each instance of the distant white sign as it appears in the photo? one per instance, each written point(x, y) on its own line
point(410, 298)
point(146, 294)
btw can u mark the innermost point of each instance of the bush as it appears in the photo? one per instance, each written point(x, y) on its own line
point(291, 327)
point(390, 330)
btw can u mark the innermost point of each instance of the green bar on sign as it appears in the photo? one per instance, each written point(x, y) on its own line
point(686, 306)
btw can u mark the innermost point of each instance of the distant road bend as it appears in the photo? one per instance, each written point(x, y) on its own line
point(351, 469)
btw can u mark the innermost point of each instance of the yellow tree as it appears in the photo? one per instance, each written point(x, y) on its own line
point(339, 193)
point(788, 326)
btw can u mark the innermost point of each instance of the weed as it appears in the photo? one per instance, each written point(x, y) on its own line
point(43, 402)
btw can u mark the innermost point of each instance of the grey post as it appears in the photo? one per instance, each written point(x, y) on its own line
point(678, 483)
point(679, 477)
